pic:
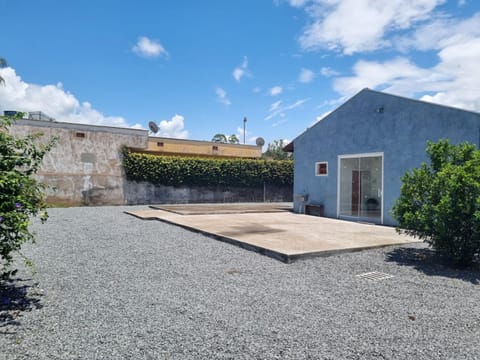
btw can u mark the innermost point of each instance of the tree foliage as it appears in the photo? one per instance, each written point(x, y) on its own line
point(440, 202)
point(178, 171)
point(220, 138)
point(233, 139)
point(21, 195)
point(275, 151)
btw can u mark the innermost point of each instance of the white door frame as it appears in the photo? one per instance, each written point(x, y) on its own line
point(362, 155)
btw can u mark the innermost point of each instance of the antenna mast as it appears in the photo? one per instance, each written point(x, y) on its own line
point(244, 123)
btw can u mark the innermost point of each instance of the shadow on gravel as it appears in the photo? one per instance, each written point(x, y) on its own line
point(16, 297)
point(430, 263)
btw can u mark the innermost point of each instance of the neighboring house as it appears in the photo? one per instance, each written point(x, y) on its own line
point(169, 146)
point(352, 161)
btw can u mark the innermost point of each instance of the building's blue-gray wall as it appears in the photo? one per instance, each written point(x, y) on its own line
point(400, 131)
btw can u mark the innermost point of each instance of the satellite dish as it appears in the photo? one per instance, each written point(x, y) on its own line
point(260, 141)
point(153, 127)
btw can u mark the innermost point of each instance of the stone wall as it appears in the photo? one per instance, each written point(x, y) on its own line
point(85, 169)
point(147, 193)
point(85, 166)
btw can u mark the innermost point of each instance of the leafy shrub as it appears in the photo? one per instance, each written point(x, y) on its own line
point(440, 202)
point(275, 151)
point(21, 196)
point(192, 171)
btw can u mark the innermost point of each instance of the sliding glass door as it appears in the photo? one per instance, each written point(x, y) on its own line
point(360, 186)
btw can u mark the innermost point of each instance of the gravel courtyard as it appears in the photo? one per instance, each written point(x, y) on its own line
point(111, 286)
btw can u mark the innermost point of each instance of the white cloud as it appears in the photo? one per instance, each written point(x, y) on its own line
point(53, 100)
point(282, 120)
point(321, 117)
point(275, 105)
point(296, 104)
point(328, 72)
point(375, 74)
point(277, 109)
point(222, 96)
point(240, 133)
point(351, 26)
point(306, 76)
point(249, 138)
point(257, 89)
point(286, 141)
point(459, 76)
point(238, 73)
point(276, 90)
point(333, 103)
point(146, 47)
point(242, 70)
point(453, 81)
point(440, 33)
point(297, 3)
point(174, 128)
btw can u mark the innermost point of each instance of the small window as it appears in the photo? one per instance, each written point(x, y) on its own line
point(321, 168)
point(160, 144)
point(215, 148)
point(80, 135)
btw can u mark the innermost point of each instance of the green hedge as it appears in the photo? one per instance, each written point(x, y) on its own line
point(178, 170)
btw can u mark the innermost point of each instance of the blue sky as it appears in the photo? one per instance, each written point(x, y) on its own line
point(197, 68)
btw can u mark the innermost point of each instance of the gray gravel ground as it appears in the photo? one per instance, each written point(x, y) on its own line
point(110, 286)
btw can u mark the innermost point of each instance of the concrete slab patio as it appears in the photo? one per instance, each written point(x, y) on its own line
point(233, 208)
point(274, 230)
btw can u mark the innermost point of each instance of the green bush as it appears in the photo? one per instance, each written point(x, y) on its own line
point(193, 171)
point(440, 202)
point(21, 196)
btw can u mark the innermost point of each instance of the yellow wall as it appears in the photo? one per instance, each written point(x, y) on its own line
point(201, 148)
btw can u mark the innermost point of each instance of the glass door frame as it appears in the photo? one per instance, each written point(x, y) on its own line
point(359, 156)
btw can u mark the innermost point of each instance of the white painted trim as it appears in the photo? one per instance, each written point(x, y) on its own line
point(316, 167)
point(383, 189)
point(339, 170)
point(346, 156)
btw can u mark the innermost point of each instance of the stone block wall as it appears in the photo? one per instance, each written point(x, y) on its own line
point(85, 167)
point(147, 193)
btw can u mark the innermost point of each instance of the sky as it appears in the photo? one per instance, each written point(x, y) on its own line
point(198, 68)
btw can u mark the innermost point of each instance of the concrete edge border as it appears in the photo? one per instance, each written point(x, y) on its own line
point(258, 249)
point(285, 258)
point(327, 253)
point(179, 212)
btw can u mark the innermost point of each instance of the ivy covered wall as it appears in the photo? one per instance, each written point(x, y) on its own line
point(194, 171)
